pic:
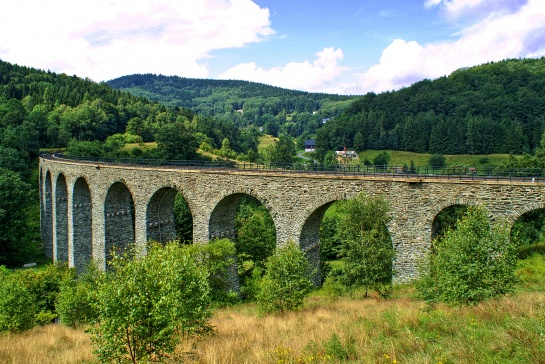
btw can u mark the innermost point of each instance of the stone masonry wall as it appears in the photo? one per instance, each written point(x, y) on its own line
point(296, 202)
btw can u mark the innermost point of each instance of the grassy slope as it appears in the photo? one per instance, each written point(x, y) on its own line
point(399, 158)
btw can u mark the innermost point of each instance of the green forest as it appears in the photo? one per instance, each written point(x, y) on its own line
point(491, 108)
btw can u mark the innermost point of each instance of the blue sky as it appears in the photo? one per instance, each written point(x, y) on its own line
point(343, 46)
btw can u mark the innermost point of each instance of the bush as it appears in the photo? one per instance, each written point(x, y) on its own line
point(218, 259)
point(437, 160)
point(381, 159)
point(17, 304)
point(366, 249)
point(27, 297)
point(286, 282)
point(146, 302)
point(76, 300)
point(471, 263)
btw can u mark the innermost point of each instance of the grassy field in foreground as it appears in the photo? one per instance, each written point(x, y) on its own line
point(346, 330)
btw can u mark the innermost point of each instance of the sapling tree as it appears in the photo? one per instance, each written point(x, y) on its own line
point(288, 279)
point(366, 248)
point(147, 302)
point(471, 263)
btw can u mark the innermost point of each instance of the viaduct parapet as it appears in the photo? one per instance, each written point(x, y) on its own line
point(88, 208)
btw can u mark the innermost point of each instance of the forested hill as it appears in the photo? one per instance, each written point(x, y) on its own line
point(216, 97)
point(492, 108)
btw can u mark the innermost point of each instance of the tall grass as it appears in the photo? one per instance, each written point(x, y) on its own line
point(346, 330)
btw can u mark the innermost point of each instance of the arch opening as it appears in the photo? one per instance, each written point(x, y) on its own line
point(331, 226)
point(119, 219)
point(244, 220)
point(61, 219)
point(319, 239)
point(446, 220)
point(82, 222)
point(168, 217)
point(529, 232)
point(48, 217)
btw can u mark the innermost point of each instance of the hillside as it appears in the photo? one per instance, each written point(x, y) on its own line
point(492, 108)
point(215, 97)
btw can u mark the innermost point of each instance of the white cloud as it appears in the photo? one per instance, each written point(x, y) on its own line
point(104, 39)
point(316, 76)
point(519, 34)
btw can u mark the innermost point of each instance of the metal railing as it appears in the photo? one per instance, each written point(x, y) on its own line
point(385, 171)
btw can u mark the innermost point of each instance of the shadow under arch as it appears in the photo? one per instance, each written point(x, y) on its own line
point(309, 238)
point(222, 220)
point(82, 222)
point(527, 227)
point(118, 219)
point(162, 219)
point(435, 225)
point(48, 216)
point(61, 219)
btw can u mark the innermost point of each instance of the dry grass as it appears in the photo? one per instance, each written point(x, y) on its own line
point(400, 330)
point(47, 344)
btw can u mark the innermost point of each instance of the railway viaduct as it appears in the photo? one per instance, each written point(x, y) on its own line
point(87, 208)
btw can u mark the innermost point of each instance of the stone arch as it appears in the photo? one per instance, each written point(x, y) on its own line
point(119, 218)
point(160, 217)
point(82, 223)
point(430, 220)
point(61, 219)
point(222, 219)
point(525, 209)
point(48, 216)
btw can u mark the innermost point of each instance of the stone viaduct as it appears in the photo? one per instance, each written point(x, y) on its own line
point(88, 208)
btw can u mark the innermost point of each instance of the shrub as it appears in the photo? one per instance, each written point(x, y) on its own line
point(471, 263)
point(146, 302)
point(366, 249)
point(437, 160)
point(27, 297)
point(381, 159)
point(286, 282)
point(76, 300)
point(17, 304)
point(218, 259)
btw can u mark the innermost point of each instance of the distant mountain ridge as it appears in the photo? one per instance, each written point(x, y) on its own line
point(498, 107)
point(210, 97)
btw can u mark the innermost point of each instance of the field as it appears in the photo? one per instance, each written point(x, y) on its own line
point(399, 158)
point(349, 329)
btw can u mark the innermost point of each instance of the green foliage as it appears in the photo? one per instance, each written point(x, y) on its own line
point(27, 297)
point(381, 159)
point(252, 285)
point(14, 194)
point(471, 263)
point(76, 300)
point(286, 282)
point(146, 302)
point(17, 304)
point(330, 242)
point(283, 150)
point(218, 259)
point(174, 141)
point(447, 219)
point(367, 250)
point(529, 228)
point(437, 160)
point(183, 219)
point(491, 108)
